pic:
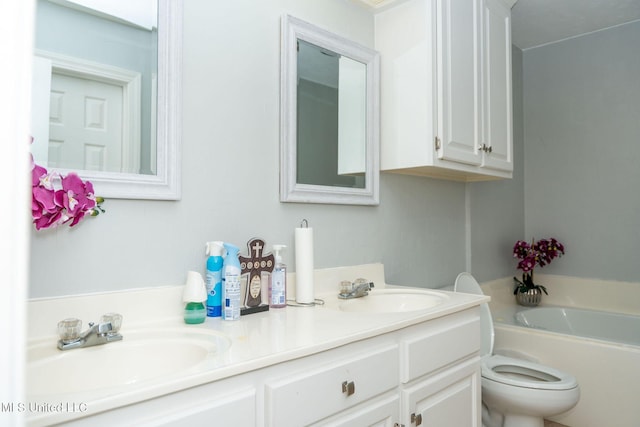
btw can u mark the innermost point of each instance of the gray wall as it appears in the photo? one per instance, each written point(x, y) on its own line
point(230, 176)
point(497, 208)
point(578, 183)
point(582, 151)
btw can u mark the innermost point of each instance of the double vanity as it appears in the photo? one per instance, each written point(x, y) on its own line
point(395, 357)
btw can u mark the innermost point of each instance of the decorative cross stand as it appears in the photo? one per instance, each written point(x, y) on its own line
point(252, 267)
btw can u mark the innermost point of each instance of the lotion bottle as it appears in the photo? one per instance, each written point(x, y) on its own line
point(278, 281)
point(231, 283)
point(214, 278)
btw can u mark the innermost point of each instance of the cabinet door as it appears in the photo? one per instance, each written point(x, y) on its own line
point(451, 398)
point(458, 47)
point(497, 132)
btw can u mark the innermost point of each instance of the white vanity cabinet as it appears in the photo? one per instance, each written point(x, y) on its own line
point(421, 374)
point(446, 88)
point(428, 371)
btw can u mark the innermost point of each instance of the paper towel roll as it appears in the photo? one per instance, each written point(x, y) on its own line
point(304, 265)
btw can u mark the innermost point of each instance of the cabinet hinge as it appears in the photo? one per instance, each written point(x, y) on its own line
point(437, 142)
point(486, 148)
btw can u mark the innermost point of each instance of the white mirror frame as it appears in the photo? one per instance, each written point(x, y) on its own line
point(165, 184)
point(290, 191)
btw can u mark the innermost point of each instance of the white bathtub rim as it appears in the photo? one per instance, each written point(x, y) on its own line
point(569, 291)
point(580, 338)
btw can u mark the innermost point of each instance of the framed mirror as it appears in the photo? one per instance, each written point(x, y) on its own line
point(329, 117)
point(107, 94)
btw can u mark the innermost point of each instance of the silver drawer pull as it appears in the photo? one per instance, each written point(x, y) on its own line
point(348, 387)
point(416, 419)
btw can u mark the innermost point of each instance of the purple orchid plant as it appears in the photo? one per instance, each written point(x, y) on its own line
point(538, 253)
point(58, 199)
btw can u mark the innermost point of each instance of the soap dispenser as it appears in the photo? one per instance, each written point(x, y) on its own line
point(194, 295)
point(278, 282)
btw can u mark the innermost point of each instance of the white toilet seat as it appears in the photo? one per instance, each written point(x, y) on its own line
point(525, 374)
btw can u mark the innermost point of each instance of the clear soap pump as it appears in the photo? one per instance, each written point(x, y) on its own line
point(278, 282)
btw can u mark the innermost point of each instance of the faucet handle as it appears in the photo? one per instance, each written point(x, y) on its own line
point(114, 319)
point(345, 287)
point(360, 281)
point(69, 330)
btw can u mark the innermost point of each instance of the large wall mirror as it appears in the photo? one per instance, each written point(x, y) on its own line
point(107, 94)
point(329, 148)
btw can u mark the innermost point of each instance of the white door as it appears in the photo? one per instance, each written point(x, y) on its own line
point(85, 124)
point(459, 80)
point(497, 132)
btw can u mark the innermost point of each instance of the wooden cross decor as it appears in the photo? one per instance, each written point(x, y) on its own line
point(253, 266)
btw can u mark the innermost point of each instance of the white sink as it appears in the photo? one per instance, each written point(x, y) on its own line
point(392, 301)
point(143, 354)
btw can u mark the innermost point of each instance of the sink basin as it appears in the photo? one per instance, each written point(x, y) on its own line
point(393, 301)
point(142, 355)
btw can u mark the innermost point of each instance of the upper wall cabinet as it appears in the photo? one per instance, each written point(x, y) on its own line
point(446, 88)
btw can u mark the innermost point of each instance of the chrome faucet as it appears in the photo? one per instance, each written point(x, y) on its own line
point(359, 288)
point(104, 332)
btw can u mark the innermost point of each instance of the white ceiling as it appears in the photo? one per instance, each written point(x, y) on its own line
point(538, 22)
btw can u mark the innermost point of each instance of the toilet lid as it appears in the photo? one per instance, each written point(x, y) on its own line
point(525, 374)
point(466, 283)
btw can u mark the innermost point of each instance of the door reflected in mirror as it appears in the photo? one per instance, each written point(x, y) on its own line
point(329, 117)
point(95, 82)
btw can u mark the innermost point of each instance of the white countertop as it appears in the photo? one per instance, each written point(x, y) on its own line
point(257, 340)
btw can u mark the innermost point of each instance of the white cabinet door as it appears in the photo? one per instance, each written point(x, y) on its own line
point(497, 132)
point(458, 40)
point(451, 398)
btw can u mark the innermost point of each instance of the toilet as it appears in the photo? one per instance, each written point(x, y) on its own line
point(516, 392)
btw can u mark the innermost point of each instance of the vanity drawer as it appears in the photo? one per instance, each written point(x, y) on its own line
point(433, 345)
point(307, 396)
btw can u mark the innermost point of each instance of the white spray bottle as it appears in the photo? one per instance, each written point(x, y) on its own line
point(231, 283)
point(278, 282)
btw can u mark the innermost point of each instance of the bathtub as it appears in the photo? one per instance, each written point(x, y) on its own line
point(594, 334)
point(601, 325)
